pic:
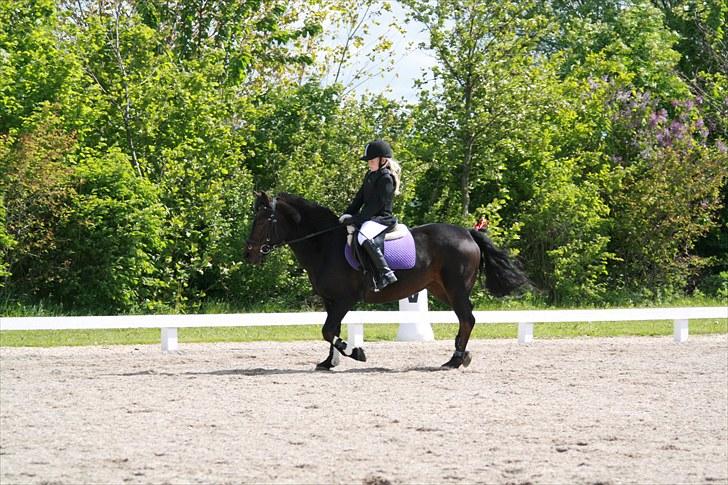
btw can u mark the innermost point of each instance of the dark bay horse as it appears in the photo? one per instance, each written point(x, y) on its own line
point(448, 261)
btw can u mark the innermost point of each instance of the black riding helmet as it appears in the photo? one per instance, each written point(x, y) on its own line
point(377, 148)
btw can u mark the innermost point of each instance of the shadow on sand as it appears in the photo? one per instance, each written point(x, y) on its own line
point(263, 372)
point(273, 372)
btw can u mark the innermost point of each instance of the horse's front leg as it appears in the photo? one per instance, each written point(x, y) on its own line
point(331, 331)
point(356, 353)
point(329, 362)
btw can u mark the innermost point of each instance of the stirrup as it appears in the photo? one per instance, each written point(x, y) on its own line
point(385, 280)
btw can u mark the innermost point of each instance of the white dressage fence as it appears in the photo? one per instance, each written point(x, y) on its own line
point(414, 320)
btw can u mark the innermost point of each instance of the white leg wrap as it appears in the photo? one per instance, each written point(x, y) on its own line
point(342, 346)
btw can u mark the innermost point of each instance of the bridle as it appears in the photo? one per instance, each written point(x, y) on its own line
point(268, 246)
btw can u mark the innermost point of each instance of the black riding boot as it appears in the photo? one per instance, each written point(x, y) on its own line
point(384, 276)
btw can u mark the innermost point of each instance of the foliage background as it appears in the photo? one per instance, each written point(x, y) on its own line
point(134, 132)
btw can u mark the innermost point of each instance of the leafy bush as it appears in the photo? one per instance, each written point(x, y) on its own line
point(668, 178)
point(36, 187)
point(110, 236)
point(564, 236)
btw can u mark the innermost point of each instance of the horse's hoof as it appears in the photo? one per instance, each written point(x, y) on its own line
point(458, 359)
point(453, 363)
point(330, 362)
point(358, 354)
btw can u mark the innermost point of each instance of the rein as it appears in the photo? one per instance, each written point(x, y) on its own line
point(309, 236)
point(267, 247)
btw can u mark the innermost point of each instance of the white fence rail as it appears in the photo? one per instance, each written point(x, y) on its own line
point(357, 319)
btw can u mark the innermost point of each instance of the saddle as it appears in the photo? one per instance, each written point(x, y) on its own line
point(397, 232)
point(399, 249)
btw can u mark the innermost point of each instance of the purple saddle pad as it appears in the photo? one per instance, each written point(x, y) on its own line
point(399, 253)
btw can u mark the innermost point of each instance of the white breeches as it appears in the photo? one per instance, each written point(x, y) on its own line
point(370, 230)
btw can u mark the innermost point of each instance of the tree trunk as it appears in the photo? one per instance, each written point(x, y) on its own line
point(468, 141)
point(465, 178)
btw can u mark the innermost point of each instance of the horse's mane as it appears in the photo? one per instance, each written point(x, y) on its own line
point(311, 212)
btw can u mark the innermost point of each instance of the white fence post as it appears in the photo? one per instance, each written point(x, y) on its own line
point(680, 331)
point(525, 333)
point(356, 334)
point(420, 329)
point(169, 340)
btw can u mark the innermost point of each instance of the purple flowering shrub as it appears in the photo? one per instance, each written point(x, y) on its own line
point(667, 174)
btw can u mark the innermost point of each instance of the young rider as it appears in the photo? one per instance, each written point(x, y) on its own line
point(371, 209)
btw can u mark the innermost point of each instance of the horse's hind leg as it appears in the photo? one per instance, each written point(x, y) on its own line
point(460, 303)
point(464, 310)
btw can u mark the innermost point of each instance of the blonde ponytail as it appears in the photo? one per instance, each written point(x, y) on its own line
point(396, 170)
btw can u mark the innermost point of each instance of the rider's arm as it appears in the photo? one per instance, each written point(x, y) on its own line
point(357, 202)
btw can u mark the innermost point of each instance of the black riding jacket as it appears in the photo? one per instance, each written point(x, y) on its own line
point(374, 198)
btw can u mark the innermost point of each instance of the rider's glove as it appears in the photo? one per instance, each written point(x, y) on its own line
point(350, 228)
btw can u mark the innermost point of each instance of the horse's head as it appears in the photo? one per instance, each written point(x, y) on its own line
point(273, 225)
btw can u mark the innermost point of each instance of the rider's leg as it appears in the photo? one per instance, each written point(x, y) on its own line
point(371, 239)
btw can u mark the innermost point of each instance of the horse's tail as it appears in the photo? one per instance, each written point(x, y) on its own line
point(502, 275)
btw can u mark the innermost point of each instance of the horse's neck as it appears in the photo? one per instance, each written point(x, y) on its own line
point(311, 252)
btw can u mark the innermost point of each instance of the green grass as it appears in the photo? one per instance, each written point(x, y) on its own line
point(54, 338)
point(10, 307)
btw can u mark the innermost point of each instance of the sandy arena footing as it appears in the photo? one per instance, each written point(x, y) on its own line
point(593, 410)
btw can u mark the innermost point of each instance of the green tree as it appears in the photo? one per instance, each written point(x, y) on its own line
point(701, 25)
point(34, 67)
point(182, 106)
point(6, 241)
point(622, 67)
point(621, 39)
point(261, 37)
point(703, 44)
point(486, 71)
point(505, 139)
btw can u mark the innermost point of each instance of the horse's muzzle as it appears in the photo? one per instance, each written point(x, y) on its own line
point(255, 254)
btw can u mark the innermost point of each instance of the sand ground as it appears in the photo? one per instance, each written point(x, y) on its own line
point(595, 410)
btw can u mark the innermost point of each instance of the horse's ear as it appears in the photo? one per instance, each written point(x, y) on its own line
point(261, 200)
point(290, 212)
